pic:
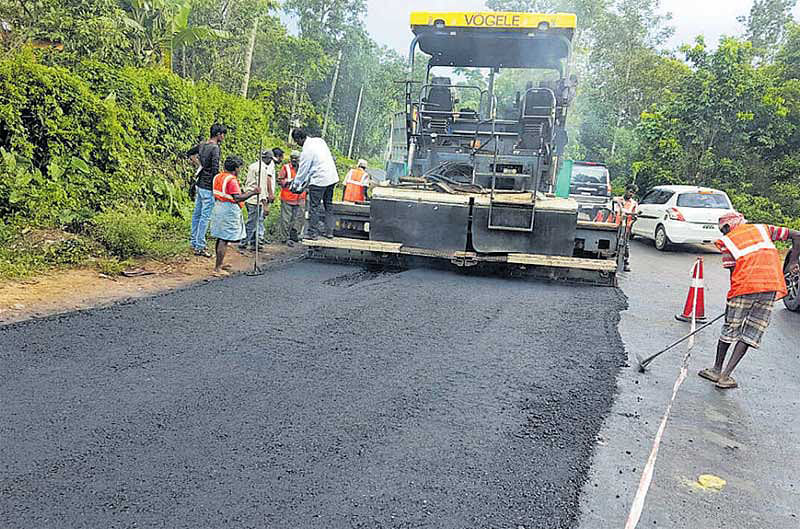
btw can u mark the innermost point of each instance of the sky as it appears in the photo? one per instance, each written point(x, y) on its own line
point(387, 20)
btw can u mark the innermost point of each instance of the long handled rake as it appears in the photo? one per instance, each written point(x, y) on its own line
point(643, 363)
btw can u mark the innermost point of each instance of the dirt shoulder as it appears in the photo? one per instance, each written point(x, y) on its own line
point(83, 288)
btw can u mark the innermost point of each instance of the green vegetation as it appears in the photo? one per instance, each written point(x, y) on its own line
point(726, 115)
point(100, 99)
point(96, 115)
point(128, 232)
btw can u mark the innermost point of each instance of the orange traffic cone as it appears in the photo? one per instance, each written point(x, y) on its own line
point(599, 216)
point(695, 301)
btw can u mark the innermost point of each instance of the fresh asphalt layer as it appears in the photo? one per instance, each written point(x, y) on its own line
point(749, 436)
point(325, 396)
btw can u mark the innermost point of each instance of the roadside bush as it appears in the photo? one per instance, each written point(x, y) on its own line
point(129, 232)
point(757, 208)
point(27, 251)
point(97, 150)
point(76, 142)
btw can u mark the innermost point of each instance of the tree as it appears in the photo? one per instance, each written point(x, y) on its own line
point(160, 26)
point(727, 118)
point(251, 44)
point(327, 21)
point(283, 67)
point(78, 30)
point(531, 6)
point(619, 78)
point(765, 26)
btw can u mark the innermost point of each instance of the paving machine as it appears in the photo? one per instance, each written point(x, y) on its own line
point(473, 170)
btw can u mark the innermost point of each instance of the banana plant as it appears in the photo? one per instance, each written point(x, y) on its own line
point(160, 26)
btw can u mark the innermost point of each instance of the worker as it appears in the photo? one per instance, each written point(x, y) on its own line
point(277, 160)
point(356, 183)
point(757, 281)
point(205, 156)
point(259, 174)
point(227, 222)
point(628, 206)
point(293, 205)
point(317, 171)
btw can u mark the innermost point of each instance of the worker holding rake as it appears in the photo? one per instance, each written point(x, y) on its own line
point(757, 281)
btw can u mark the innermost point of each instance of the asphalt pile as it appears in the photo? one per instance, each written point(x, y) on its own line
point(312, 396)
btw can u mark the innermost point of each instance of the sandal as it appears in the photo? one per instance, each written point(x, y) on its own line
point(710, 374)
point(726, 382)
point(220, 273)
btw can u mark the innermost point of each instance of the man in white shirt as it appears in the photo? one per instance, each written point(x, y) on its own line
point(255, 214)
point(317, 171)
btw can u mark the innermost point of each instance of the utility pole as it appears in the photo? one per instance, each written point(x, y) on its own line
point(330, 96)
point(355, 122)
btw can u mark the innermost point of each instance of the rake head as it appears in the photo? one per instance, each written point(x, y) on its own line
point(640, 363)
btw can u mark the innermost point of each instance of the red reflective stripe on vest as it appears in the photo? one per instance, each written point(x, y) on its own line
point(758, 263)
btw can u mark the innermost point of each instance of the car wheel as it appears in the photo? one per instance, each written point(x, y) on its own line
point(661, 239)
point(792, 301)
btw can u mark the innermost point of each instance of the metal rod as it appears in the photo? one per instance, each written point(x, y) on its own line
point(646, 361)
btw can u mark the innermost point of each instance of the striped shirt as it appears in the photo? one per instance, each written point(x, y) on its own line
point(777, 233)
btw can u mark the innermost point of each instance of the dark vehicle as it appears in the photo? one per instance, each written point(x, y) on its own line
point(590, 179)
point(590, 187)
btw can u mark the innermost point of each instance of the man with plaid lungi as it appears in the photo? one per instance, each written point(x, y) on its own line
point(757, 281)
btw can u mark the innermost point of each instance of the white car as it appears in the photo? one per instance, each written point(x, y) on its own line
point(681, 215)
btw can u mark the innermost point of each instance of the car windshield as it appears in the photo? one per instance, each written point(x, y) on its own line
point(589, 174)
point(704, 200)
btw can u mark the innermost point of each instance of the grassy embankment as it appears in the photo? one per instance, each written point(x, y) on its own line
point(91, 163)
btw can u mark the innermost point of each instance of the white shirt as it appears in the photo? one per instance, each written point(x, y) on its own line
point(267, 176)
point(316, 164)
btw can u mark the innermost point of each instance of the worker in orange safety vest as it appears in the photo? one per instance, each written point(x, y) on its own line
point(757, 281)
point(293, 205)
point(227, 222)
point(627, 204)
point(356, 183)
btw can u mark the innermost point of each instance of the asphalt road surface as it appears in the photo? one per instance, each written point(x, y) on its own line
point(748, 437)
point(314, 396)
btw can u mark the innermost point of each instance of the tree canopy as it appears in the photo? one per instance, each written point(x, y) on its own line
point(719, 113)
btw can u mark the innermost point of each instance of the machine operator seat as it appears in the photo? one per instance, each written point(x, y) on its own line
point(440, 96)
point(537, 118)
point(437, 107)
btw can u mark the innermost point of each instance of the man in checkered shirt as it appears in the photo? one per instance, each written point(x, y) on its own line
point(757, 281)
